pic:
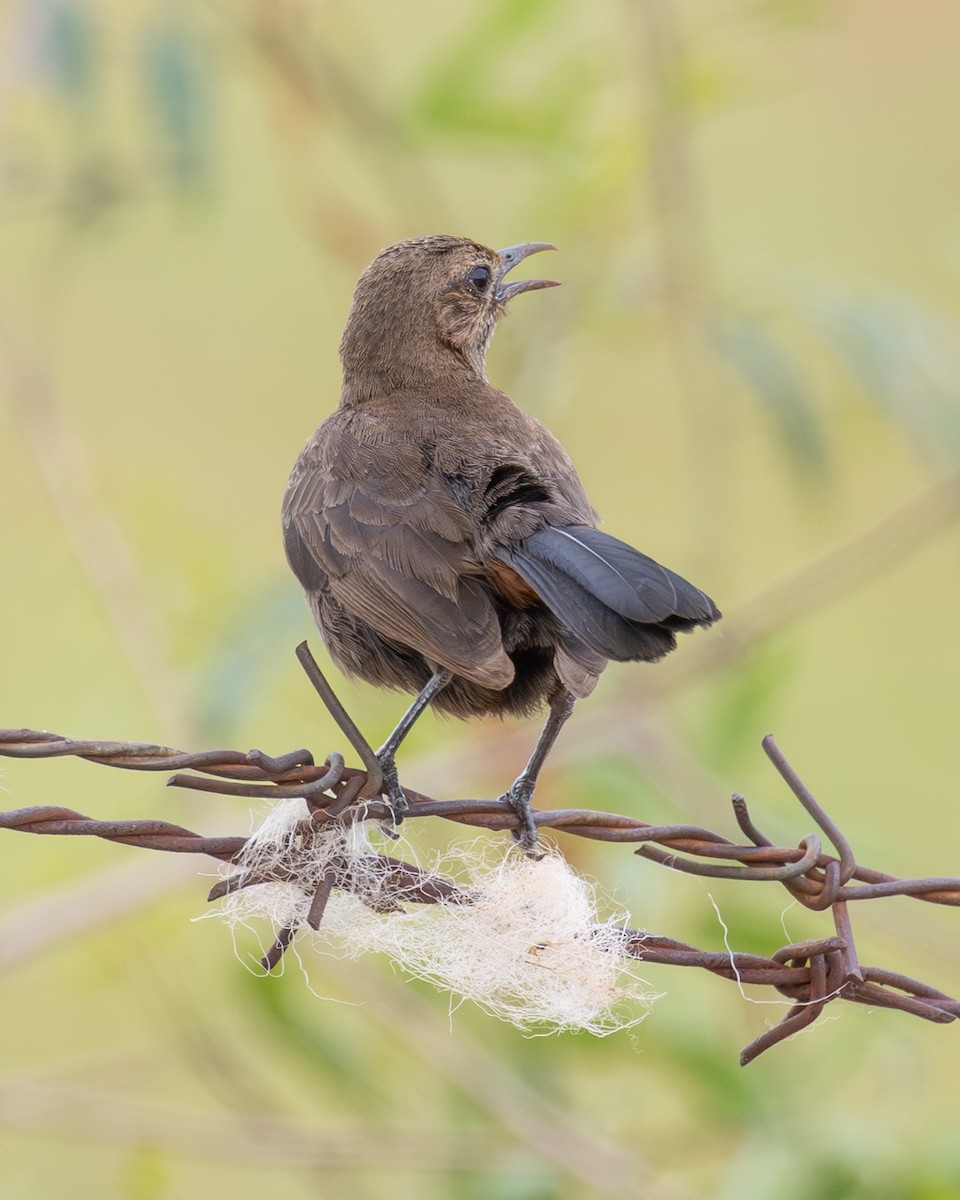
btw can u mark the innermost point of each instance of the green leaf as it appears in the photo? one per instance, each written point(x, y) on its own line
point(332, 1061)
point(745, 706)
point(69, 51)
point(778, 382)
point(246, 654)
point(176, 77)
point(905, 361)
point(474, 90)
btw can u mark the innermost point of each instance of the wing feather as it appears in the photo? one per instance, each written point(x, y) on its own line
point(395, 550)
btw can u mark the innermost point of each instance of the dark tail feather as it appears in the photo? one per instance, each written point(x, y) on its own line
point(620, 602)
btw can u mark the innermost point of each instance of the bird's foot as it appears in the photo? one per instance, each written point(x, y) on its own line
point(396, 801)
point(525, 835)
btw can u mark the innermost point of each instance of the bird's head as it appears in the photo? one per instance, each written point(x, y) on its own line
point(426, 299)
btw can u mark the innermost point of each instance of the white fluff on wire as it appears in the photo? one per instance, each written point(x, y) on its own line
point(530, 946)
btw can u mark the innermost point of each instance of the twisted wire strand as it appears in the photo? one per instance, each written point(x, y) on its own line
point(810, 974)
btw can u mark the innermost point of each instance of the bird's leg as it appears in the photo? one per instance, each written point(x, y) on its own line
point(521, 791)
point(386, 755)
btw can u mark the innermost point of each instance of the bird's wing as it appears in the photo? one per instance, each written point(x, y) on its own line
point(371, 522)
point(617, 601)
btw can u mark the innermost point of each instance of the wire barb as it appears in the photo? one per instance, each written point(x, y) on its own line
point(809, 974)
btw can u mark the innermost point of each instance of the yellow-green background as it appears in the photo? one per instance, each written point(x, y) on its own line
point(753, 361)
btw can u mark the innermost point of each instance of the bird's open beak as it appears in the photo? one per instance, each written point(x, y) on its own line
point(510, 257)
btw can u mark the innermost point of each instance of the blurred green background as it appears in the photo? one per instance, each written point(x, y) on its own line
point(754, 362)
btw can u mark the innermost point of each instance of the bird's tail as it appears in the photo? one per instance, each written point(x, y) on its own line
point(618, 601)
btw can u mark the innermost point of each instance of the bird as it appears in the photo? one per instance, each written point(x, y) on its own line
point(443, 539)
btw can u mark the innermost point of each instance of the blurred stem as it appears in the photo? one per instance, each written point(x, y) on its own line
point(87, 905)
point(328, 1159)
point(852, 563)
point(487, 1079)
point(682, 260)
point(311, 91)
point(63, 467)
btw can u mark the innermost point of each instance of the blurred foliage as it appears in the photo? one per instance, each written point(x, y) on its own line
point(177, 84)
point(904, 359)
point(753, 361)
point(786, 396)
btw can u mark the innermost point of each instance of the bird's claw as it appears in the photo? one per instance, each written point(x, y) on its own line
point(525, 835)
point(393, 794)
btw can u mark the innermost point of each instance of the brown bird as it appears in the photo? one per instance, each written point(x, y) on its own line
point(442, 536)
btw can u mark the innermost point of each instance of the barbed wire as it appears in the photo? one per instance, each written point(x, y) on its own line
point(810, 974)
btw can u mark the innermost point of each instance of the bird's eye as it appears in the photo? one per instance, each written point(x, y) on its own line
point(479, 278)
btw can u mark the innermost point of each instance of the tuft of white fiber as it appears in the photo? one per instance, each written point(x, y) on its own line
point(530, 946)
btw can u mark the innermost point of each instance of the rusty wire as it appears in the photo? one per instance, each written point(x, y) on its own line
point(811, 974)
